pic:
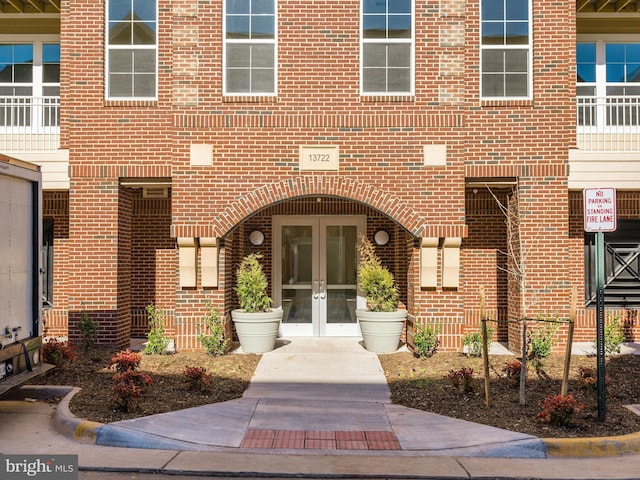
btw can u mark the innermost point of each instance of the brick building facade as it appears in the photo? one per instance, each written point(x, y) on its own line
point(184, 126)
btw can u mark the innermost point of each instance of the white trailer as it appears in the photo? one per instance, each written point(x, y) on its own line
point(20, 273)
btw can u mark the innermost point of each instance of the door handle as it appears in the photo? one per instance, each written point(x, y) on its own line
point(323, 290)
point(314, 289)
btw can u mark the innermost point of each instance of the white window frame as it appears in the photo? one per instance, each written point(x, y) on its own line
point(250, 41)
point(37, 84)
point(108, 47)
point(387, 41)
point(601, 64)
point(37, 41)
point(528, 47)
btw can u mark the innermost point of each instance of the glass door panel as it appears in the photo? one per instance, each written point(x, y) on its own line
point(315, 274)
point(340, 272)
point(297, 276)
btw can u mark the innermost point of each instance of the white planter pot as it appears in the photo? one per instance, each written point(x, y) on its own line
point(381, 330)
point(257, 331)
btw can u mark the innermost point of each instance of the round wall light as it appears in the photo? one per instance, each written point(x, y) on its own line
point(381, 237)
point(256, 238)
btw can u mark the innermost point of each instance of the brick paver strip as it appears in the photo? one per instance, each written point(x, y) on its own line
point(350, 436)
point(352, 445)
point(326, 440)
point(320, 435)
point(324, 444)
point(289, 439)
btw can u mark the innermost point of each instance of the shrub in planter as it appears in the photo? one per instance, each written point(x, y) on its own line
point(375, 280)
point(251, 285)
point(256, 322)
point(381, 323)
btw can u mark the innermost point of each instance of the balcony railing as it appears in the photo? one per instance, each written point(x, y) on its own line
point(605, 124)
point(608, 124)
point(29, 124)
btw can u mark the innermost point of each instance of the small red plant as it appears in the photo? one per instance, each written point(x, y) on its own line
point(513, 370)
point(558, 410)
point(589, 378)
point(127, 387)
point(56, 352)
point(462, 379)
point(126, 360)
point(198, 378)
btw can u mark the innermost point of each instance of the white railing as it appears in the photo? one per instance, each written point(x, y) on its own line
point(29, 124)
point(608, 124)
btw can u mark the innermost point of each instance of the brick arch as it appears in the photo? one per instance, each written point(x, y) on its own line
point(294, 187)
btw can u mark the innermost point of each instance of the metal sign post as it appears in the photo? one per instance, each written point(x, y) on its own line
point(602, 408)
point(599, 217)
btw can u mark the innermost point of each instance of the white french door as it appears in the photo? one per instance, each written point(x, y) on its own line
point(315, 274)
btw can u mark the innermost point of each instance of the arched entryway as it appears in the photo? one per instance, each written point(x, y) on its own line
point(308, 246)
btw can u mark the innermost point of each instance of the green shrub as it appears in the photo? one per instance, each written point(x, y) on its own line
point(376, 281)
point(425, 339)
point(89, 331)
point(613, 335)
point(157, 342)
point(473, 342)
point(215, 342)
point(251, 285)
point(540, 340)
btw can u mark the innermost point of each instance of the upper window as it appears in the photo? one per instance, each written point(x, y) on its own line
point(29, 83)
point(250, 47)
point(506, 49)
point(387, 47)
point(132, 49)
point(608, 82)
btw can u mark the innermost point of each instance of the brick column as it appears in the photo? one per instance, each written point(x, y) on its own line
point(541, 286)
point(99, 258)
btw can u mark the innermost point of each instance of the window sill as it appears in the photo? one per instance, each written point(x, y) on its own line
point(505, 102)
point(387, 98)
point(249, 99)
point(131, 103)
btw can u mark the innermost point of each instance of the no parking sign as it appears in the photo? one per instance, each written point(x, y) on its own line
point(599, 209)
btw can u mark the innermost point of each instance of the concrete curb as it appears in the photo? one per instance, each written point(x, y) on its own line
point(86, 431)
point(593, 446)
point(64, 421)
point(67, 423)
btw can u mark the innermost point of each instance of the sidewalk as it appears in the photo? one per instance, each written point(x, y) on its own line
point(286, 425)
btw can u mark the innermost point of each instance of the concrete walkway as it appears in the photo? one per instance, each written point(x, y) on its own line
point(208, 441)
point(318, 394)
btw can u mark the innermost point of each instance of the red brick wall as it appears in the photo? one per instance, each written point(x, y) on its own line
point(256, 142)
point(55, 206)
